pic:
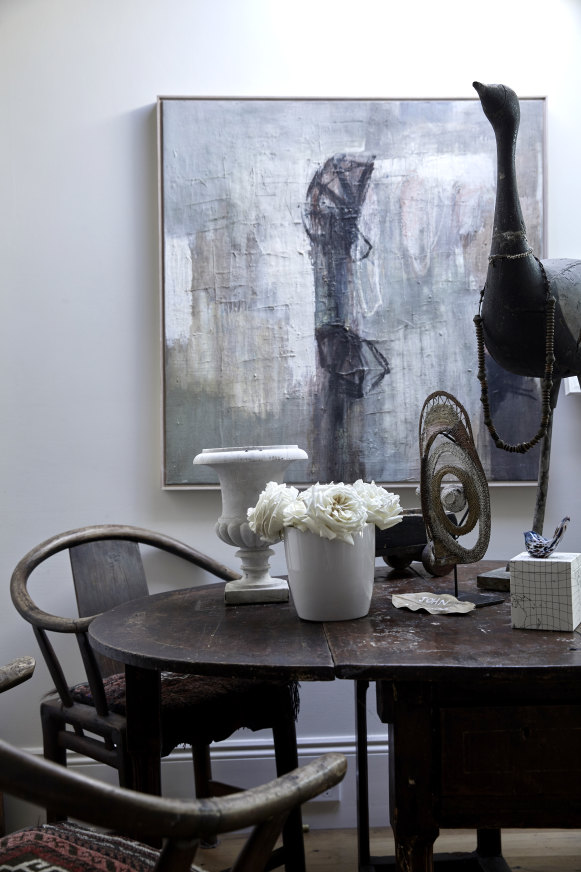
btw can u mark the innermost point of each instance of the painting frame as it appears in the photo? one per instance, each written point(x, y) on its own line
point(205, 200)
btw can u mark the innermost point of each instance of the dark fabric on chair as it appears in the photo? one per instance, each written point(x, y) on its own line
point(72, 848)
point(205, 709)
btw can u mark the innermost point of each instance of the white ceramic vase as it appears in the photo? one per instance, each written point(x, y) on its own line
point(243, 474)
point(330, 580)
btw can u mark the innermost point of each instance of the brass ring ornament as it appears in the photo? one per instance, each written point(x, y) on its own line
point(448, 453)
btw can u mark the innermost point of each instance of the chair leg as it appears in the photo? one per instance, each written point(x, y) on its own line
point(52, 750)
point(202, 770)
point(285, 749)
point(125, 765)
point(202, 780)
point(259, 845)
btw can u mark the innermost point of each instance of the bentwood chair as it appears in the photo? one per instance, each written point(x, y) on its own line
point(125, 815)
point(89, 718)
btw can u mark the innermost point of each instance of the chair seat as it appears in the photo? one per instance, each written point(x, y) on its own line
point(71, 848)
point(224, 705)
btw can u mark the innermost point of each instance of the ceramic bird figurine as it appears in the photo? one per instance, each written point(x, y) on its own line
point(538, 546)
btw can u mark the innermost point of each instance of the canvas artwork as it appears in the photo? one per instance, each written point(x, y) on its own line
point(322, 262)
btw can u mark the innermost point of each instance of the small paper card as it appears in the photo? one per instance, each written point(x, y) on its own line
point(434, 603)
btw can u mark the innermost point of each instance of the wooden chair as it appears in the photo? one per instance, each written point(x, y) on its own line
point(12, 674)
point(180, 825)
point(89, 718)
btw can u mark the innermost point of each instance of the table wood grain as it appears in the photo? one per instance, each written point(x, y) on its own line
point(193, 631)
point(400, 643)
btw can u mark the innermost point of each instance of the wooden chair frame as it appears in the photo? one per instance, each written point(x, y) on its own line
point(94, 730)
point(180, 825)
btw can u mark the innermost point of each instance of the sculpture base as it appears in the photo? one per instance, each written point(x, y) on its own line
point(545, 592)
point(496, 579)
point(275, 590)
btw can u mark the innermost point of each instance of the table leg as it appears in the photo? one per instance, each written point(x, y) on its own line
point(412, 778)
point(362, 775)
point(285, 743)
point(489, 842)
point(143, 704)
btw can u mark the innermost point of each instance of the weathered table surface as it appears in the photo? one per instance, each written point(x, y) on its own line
point(402, 644)
point(484, 720)
point(192, 630)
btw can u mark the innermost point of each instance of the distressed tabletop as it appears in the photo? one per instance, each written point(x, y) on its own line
point(193, 631)
point(393, 643)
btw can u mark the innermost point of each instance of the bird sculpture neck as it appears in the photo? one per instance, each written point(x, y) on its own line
point(501, 107)
point(515, 296)
point(509, 237)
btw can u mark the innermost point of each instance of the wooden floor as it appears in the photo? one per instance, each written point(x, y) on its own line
point(336, 850)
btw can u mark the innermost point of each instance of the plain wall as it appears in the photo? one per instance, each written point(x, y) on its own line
point(79, 265)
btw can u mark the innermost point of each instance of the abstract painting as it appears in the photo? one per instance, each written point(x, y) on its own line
point(322, 262)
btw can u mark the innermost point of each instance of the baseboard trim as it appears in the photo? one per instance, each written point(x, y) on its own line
point(252, 747)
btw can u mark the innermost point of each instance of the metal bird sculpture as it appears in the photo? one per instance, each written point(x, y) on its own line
point(538, 546)
point(515, 305)
point(530, 309)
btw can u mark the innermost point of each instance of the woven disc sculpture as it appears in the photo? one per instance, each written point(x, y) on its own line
point(448, 454)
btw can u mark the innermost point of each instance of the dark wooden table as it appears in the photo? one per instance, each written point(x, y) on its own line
point(484, 720)
point(193, 631)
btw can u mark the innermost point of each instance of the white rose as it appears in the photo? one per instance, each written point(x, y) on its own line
point(266, 519)
point(334, 511)
point(294, 514)
point(383, 508)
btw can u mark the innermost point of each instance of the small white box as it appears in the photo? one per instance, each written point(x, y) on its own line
point(545, 592)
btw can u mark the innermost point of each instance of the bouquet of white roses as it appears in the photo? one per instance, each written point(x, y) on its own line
point(334, 511)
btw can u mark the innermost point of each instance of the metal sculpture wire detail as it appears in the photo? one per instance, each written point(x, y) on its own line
point(448, 455)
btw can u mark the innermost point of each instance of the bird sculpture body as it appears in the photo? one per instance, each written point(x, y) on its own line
point(514, 306)
point(538, 546)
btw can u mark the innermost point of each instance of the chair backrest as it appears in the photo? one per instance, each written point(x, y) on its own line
point(107, 570)
point(106, 573)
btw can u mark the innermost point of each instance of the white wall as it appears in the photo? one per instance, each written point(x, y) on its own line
point(80, 387)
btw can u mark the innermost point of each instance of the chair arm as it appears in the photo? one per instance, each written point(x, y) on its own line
point(16, 672)
point(36, 616)
point(239, 810)
point(40, 781)
point(176, 547)
point(26, 606)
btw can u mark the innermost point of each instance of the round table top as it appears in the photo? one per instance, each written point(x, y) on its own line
point(193, 630)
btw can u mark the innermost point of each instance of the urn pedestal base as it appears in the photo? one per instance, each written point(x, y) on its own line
point(256, 584)
point(275, 591)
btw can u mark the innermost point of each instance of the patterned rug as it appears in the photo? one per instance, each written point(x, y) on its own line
point(67, 847)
